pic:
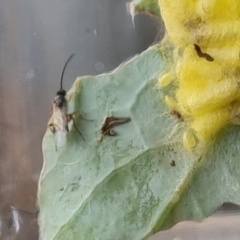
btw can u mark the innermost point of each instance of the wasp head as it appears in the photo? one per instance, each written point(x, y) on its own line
point(61, 92)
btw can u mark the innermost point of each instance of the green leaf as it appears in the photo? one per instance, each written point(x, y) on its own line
point(147, 6)
point(125, 188)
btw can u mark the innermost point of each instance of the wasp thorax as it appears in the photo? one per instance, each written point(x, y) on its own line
point(60, 100)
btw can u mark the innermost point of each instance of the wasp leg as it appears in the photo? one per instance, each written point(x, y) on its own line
point(52, 127)
point(80, 116)
point(71, 118)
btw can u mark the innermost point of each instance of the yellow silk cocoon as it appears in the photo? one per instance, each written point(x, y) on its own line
point(206, 35)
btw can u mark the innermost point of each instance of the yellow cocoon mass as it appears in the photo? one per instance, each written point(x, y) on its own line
point(206, 72)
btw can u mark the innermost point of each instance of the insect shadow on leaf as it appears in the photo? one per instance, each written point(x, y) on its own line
point(60, 116)
point(108, 125)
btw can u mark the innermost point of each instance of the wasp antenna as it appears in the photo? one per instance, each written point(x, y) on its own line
point(64, 70)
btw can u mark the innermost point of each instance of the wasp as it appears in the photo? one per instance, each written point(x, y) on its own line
point(108, 125)
point(202, 54)
point(60, 116)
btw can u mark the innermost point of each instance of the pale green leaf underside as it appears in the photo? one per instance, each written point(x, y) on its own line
point(125, 188)
point(149, 6)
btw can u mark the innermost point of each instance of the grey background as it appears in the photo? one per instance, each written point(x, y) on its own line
point(36, 38)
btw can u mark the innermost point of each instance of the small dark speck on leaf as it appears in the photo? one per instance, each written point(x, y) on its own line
point(200, 158)
point(173, 163)
point(177, 115)
point(61, 189)
point(75, 186)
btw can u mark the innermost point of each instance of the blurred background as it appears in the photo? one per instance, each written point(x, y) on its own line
point(36, 38)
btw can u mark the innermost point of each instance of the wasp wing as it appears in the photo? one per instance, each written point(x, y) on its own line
point(60, 125)
point(60, 138)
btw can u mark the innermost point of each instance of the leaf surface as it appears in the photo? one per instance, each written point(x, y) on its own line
point(127, 187)
point(148, 6)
